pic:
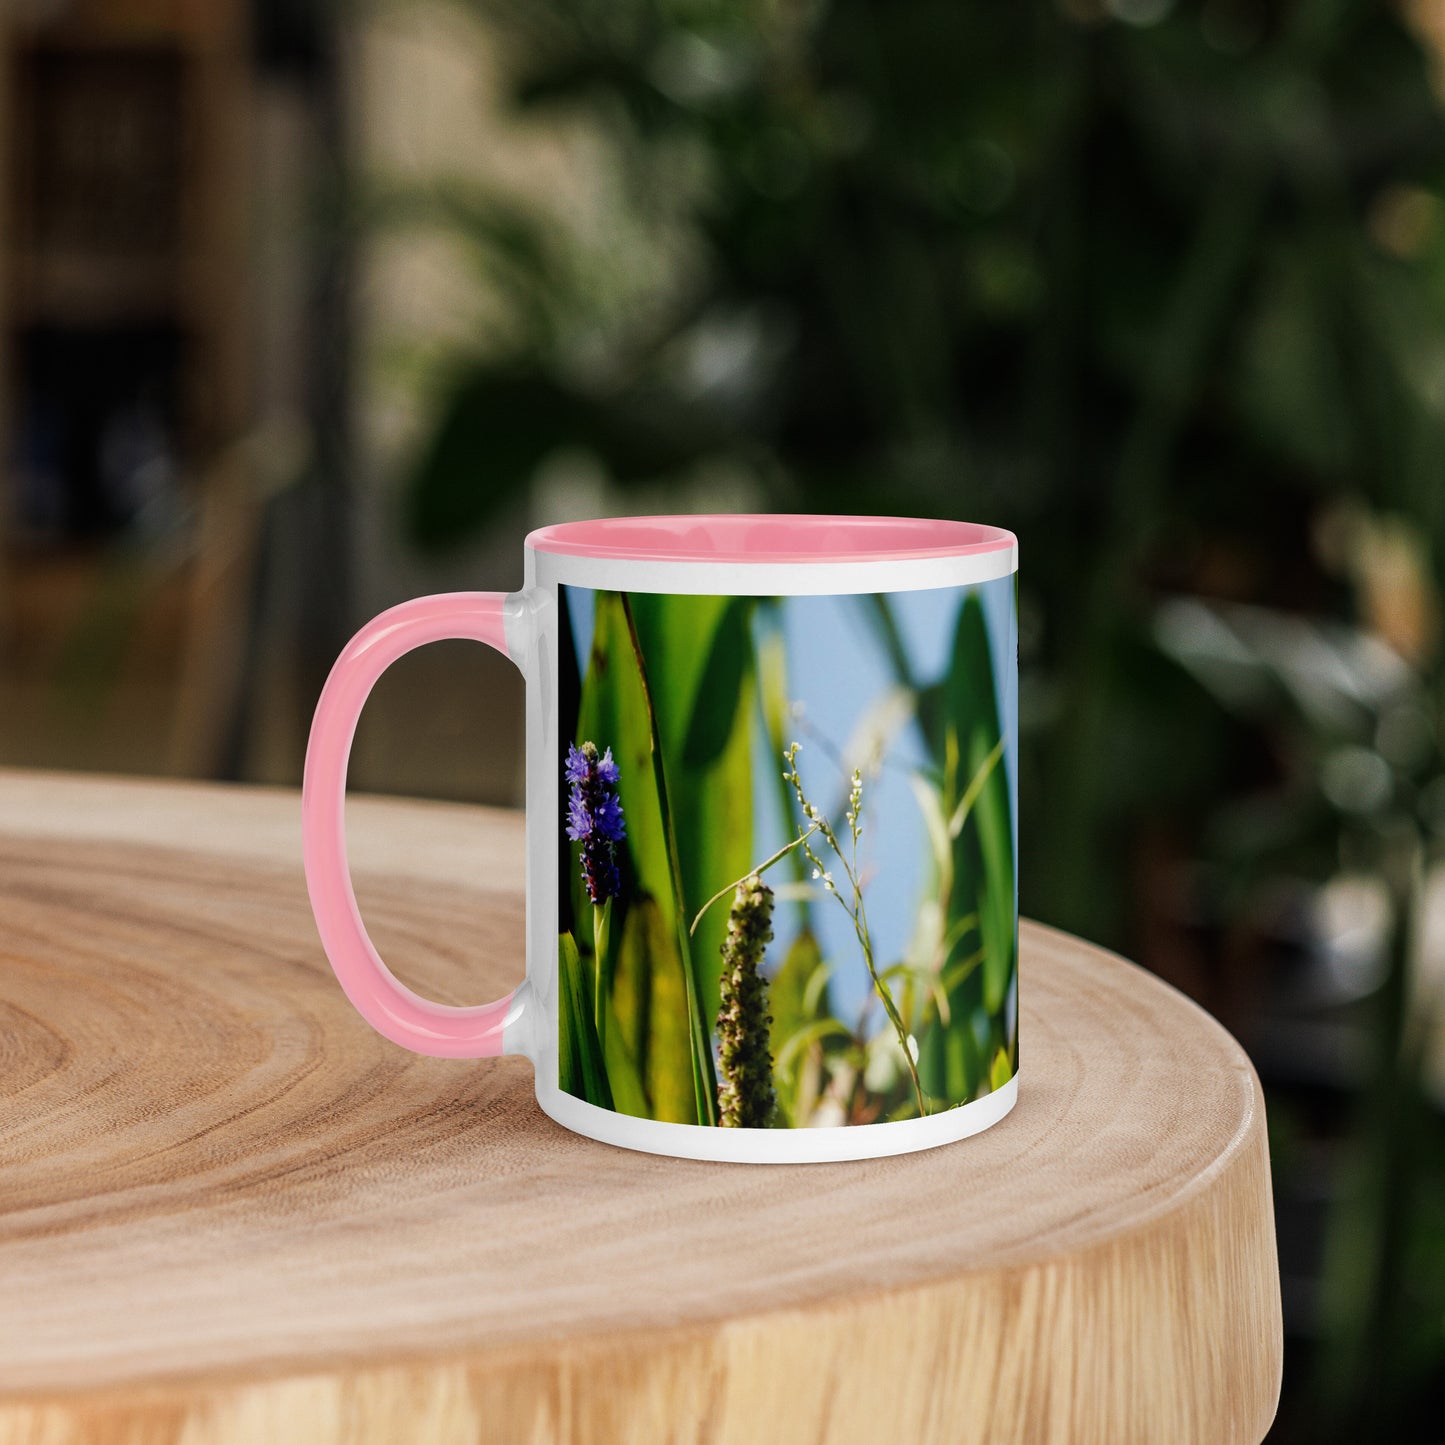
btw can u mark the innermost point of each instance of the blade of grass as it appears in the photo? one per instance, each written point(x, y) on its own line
point(580, 1067)
point(975, 787)
point(649, 1011)
point(814, 1032)
point(704, 1076)
point(799, 996)
point(601, 931)
point(767, 863)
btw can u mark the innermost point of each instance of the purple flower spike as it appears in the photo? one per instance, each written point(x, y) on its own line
point(576, 767)
point(594, 817)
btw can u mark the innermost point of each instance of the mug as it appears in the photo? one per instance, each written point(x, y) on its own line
point(771, 832)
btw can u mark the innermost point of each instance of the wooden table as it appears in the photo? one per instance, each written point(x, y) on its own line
point(230, 1212)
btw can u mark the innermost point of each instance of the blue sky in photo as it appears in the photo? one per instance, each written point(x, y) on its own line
point(837, 671)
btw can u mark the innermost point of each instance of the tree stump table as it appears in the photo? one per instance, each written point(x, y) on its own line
point(229, 1212)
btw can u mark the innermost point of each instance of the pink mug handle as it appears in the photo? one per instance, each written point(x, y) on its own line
point(387, 1004)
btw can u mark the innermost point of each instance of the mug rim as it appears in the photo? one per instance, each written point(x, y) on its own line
point(761, 538)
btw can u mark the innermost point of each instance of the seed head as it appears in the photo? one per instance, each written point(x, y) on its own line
point(745, 1093)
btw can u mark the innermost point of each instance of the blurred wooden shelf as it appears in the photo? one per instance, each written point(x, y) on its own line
point(117, 23)
point(230, 1212)
point(126, 326)
point(83, 289)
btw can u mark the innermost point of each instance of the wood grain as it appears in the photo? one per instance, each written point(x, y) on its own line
point(229, 1212)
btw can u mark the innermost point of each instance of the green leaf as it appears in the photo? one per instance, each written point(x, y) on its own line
point(1001, 1071)
point(983, 851)
point(580, 1069)
point(980, 892)
point(936, 825)
point(629, 1094)
point(775, 707)
point(700, 665)
point(649, 1009)
point(798, 999)
point(795, 1043)
point(798, 992)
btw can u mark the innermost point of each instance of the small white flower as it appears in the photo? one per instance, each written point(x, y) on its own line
point(817, 873)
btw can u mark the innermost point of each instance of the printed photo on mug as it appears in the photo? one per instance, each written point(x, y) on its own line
point(788, 894)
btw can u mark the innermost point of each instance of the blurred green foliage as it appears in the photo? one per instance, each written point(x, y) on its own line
point(1146, 284)
point(1159, 285)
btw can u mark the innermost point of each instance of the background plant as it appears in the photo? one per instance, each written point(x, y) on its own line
point(851, 898)
point(1158, 285)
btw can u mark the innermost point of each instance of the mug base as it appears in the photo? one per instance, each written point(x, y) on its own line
point(778, 1146)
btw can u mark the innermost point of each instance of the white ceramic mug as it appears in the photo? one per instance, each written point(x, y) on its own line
point(771, 832)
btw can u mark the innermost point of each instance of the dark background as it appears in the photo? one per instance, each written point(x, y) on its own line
point(308, 308)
